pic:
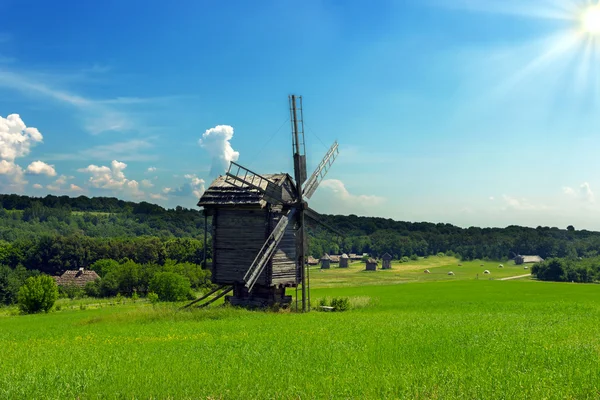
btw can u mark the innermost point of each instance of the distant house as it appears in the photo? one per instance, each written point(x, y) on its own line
point(355, 256)
point(312, 261)
point(527, 259)
point(334, 259)
point(344, 260)
point(371, 264)
point(386, 261)
point(325, 261)
point(77, 278)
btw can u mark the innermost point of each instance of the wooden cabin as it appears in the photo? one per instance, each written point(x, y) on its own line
point(386, 261)
point(312, 261)
point(344, 260)
point(371, 264)
point(325, 261)
point(242, 220)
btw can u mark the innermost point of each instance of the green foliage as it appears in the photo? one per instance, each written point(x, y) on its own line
point(414, 257)
point(170, 286)
point(440, 254)
point(104, 266)
point(11, 281)
point(586, 270)
point(92, 289)
point(404, 259)
point(70, 291)
point(153, 297)
point(37, 294)
point(340, 303)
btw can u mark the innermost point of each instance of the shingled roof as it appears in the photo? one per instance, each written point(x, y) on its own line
point(77, 278)
point(221, 193)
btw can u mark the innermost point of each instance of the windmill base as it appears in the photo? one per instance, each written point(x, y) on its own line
point(259, 297)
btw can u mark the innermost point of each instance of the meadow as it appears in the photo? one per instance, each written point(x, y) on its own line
point(431, 338)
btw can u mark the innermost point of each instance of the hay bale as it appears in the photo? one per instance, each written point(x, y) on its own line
point(481, 265)
point(450, 273)
point(500, 266)
point(526, 267)
point(427, 271)
point(486, 272)
point(460, 265)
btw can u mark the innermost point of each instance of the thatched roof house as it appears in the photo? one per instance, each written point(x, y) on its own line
point(312, 261)
point(77, 278)
point(335, 259)
point(527, 259)
point(325, 261)
point(371, 264)
point(344, 260)
point(386, 261)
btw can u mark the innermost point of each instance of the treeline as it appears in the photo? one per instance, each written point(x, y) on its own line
point(580, 270)
point(53, 255)
point(92, 223)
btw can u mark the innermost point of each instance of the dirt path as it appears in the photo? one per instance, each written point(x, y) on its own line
point(514, 277)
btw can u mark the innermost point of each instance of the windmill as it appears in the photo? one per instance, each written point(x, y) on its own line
point(258, 226)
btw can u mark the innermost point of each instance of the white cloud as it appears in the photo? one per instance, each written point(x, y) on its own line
point(40, 168)
point(16, 140)
point(513, 203)
point(146, 183)
point(151, 169)
point(130, 150)
point(157, 196)
point(75, 188)
point(334, 197)
point(112, 178)
point(195, 188)
point(217, 142)
point(492, 198)
point(584, 193)
point(37, 186)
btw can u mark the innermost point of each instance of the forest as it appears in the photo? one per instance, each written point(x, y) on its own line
point(52, 234)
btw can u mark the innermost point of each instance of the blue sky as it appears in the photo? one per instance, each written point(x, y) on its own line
point(473, 112)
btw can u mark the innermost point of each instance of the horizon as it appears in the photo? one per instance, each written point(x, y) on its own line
point(473, 113)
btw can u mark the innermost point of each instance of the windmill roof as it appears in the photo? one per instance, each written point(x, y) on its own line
point(344, 255)
point(372, 261)
point(387, 256)
point(221, 192)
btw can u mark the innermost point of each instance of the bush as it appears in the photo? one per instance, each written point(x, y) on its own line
point(440, 254)
point(37, 294)
point(152, 297)
point(170, 286)
point(92, 289)
point(70, 291)
point(340, 304)
point(405, 259)
point(414, 257)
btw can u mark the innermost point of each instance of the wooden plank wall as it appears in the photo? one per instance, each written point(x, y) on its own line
point(241, 234)
point(283, 266)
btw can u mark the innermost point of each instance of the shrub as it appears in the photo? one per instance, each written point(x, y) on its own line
point(340, 303)
point(135, 297)
point(404, 259)
point(170, 286)
point(70, 291)
point(440, 254)
point(152, 297)
point(92, 289)
point(37, 294)
point(414, 257)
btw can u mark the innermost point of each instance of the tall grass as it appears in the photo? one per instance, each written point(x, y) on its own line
point(469, 339)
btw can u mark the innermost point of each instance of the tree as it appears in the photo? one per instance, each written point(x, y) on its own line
point(570, 228)
point(170, 286)
point(37, 294)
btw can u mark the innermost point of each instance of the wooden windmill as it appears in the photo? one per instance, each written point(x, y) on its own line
point(258, 226)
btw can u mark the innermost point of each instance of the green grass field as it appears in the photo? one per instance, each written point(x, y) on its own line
point(460, 338)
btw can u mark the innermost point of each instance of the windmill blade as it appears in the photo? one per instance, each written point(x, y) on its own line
point(267, 250)
point(321, 171)
point(318, 218)
point(242, 177)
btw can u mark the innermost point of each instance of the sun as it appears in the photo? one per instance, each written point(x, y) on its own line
point(590, 20)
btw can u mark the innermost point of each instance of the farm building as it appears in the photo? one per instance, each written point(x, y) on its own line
point(354, 257)
point(242, 219)
point(77, 278)
point(527, 259)
point(334, 259)
point(344, 260)
point(325, 261)
point(312, 261)
point(386, 262)
point(371, 264)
